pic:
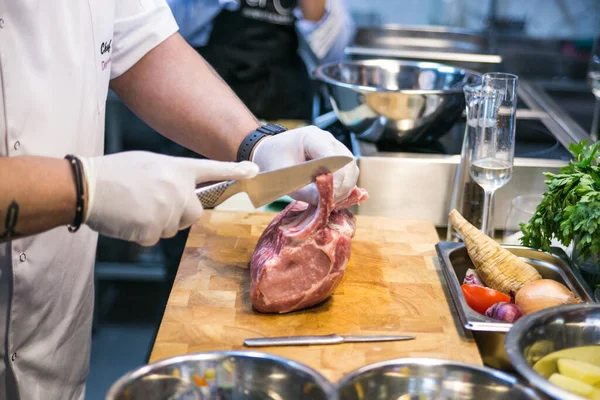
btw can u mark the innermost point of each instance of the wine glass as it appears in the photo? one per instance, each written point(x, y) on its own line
point(521, 209)
point(467, 196)
point(493, 149)
point(594, 81)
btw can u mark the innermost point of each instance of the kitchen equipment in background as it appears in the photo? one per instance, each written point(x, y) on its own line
point(521, 210)
point(322, 339)
point(594, 81)
point(458, 47)
point(467, 196)
point(219, 375)
point(422, 176)
point(546, 331)
point(270, 185)
point(493, 148)
point(395, 101)
point(489, 333)
point(426, 378)
point(415, 180)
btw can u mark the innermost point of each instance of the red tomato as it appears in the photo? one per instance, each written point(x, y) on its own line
point(480, 298)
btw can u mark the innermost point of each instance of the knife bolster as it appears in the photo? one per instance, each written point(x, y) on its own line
point(214, 195)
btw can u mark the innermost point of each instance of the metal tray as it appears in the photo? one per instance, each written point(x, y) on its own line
point(489, 333)
point(431, 43)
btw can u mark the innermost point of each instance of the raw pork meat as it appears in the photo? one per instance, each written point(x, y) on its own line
point(301, 256)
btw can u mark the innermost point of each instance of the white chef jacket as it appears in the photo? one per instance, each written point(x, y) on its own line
point(56, 59)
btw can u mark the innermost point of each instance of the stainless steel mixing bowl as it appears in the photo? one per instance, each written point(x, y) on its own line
point(223, 376)
point(401, 101)
point(424, 378)
point(538, 334)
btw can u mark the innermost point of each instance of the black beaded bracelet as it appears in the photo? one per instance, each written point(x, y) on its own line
point(80, 203)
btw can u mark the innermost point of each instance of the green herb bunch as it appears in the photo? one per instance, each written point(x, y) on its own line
point(570, 208)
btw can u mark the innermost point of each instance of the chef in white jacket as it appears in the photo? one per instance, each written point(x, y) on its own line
point(57, 59)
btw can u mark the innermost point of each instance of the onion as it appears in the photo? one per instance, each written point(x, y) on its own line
point(506, 312)
point(543, 293)
point(471, 278)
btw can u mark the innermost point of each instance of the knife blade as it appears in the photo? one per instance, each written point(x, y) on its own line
point(321, 340)
point(270, 185)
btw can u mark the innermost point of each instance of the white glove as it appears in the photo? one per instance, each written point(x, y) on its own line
point(302, 144)
point(142, 197)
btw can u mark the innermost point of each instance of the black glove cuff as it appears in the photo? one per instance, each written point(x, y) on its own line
point(247, 145)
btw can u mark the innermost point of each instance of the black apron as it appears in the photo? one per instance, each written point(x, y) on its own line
point(255, 50)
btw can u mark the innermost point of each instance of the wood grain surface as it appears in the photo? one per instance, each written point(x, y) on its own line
point(392, 285)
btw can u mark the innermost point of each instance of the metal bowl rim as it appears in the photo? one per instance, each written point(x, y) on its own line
point(320, 75)
point(511, 346)
point(116, 388)
point(424, 361)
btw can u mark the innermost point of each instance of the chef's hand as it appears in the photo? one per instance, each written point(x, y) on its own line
point(302, 144)
point(142, 197)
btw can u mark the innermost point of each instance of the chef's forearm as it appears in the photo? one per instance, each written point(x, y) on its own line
point(36, 195)
point(312, 10)
point(180, 96)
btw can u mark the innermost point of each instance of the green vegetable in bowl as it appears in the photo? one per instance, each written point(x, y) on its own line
point(570, 208)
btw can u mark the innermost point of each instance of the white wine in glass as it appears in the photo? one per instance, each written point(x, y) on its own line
point(491, 173)
point(493, 149)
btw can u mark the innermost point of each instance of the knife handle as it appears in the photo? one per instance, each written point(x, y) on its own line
point(293, 341)
point(213, 195)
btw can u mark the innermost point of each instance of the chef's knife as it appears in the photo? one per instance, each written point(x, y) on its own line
point(270, 185)
point(326, 339)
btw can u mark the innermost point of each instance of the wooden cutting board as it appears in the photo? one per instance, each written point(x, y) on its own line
point(392, 285)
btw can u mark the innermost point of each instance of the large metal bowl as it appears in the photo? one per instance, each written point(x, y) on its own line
point(401, 101)
point(538, 334)
point(423, 378)
point(229, 375)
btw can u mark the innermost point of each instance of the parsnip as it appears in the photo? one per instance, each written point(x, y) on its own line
point(496, 266)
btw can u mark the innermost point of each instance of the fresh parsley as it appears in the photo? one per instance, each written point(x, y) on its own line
point(570, 208)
